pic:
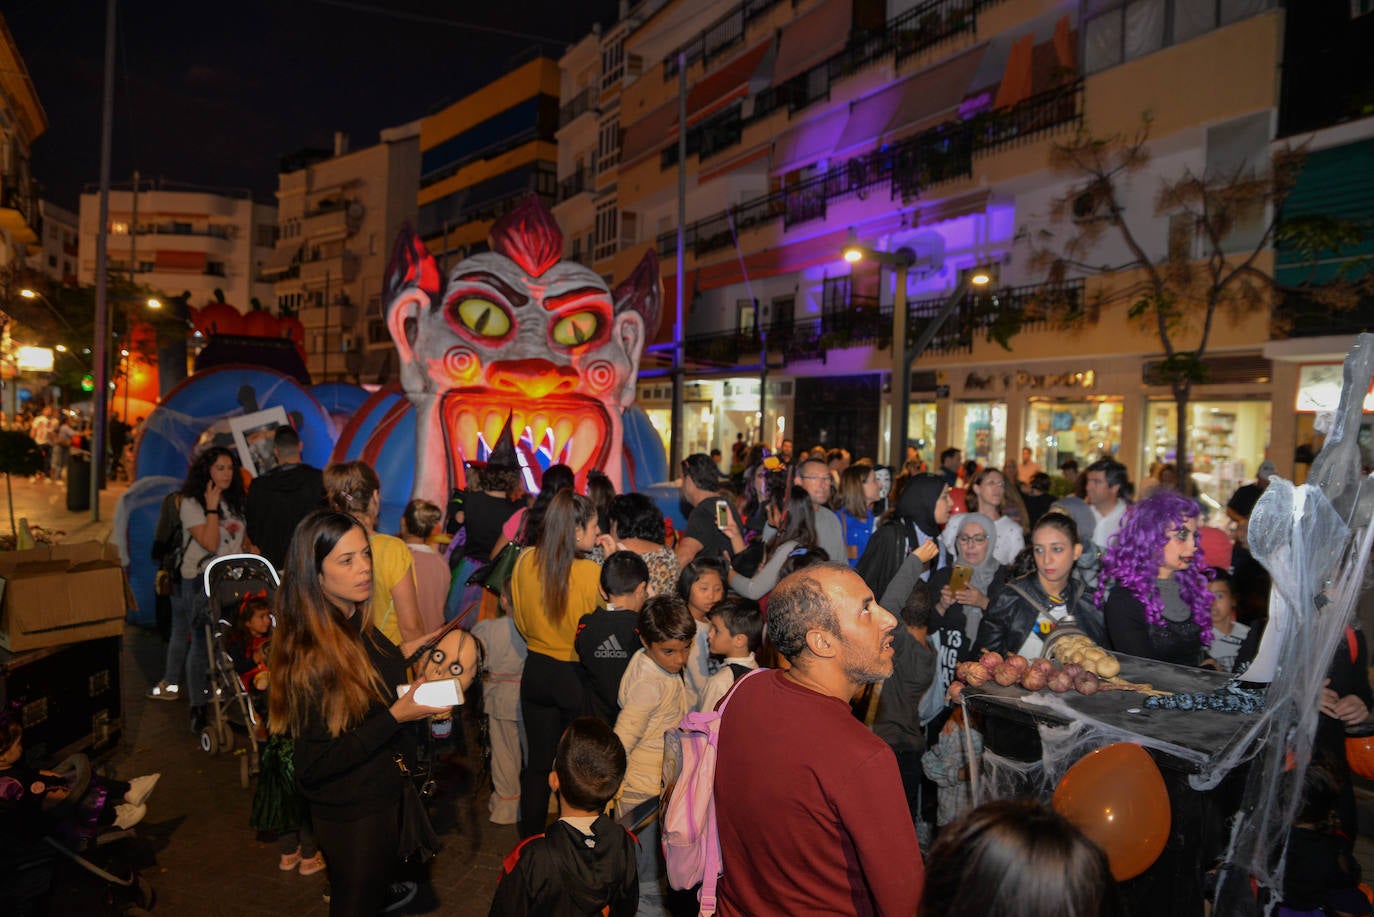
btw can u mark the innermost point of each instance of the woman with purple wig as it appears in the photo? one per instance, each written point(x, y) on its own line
point(1159, 606)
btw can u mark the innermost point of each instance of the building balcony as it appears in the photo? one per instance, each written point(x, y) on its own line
point(908, 168)
point(585, 102)
point(583, 181)
point(332, 221)
point(19, 214)
point(341, 314)
point(341, 268)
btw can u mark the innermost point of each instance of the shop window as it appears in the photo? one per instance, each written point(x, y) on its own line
point(1226, 442)
point(747, 316)
point(980, 430)
point(1084, 431)
point(921, 417)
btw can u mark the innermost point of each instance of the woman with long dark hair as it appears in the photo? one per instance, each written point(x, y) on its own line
point(637, 525)
point(212, 525)
point(1043, 595)
point(854, 502)
point(1159, 606)
point(523, 527)
point(355, 489)
point(551, 589)
point(795, 522)
point(334, 678)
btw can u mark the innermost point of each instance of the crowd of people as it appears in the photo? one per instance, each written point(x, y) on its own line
point(602, 626)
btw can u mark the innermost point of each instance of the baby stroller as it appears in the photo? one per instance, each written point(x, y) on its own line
point(227, 581)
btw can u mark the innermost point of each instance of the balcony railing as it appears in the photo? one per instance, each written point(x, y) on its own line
point(582, 180)
point(725, 32)
point(940, 154)
point(862, 321)
point(585, 101)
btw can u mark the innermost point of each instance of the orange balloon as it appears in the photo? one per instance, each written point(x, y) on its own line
point(1116, 796)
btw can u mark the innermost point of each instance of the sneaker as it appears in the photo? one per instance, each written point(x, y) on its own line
point(312, 865)
point(140, 788)
point(126, 816)
point(164, 691)
point(398, 895)
point(290, 861)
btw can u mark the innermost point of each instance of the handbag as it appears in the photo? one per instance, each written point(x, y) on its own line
point(417, 841)
point(494, 575)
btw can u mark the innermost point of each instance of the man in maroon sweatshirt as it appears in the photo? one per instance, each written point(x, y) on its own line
point(810, 805)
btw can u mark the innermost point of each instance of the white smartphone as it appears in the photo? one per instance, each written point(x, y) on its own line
point(722, 514)
point(445, 692)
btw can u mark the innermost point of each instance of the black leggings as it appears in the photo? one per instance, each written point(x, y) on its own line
point(361, 855)
point(551, 697)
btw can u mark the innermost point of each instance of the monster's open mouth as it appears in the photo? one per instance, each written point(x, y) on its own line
point(570, 430)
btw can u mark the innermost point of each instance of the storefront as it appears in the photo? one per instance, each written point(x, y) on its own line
point(1319, 394)
point(921, 420)
point(1057, 430)
point(980, 431)
point(716, 411)
point(1227, 440)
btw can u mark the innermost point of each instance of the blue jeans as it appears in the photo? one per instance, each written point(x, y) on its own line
point(186, 652)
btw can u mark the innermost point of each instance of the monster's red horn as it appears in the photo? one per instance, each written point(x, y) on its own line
point(529, 236)
point(643, 292)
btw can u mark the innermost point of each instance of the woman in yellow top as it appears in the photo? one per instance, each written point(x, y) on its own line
point(551, 589)
point(353, 488)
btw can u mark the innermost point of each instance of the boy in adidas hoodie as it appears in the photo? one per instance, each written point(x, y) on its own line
point(608, 637)
point(585, 862)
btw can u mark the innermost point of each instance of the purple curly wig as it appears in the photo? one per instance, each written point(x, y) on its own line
point(1137, 551)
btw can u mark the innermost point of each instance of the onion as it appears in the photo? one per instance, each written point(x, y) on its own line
point(955, 689)
point(961, 670)
point(977, 676)
point(1085, 683)
point(1043, 665)
point(1060, 682)
point(1005, 674)
point(1034, 679)
point(991, 660)
point(1018, 662)
point(1074, 669)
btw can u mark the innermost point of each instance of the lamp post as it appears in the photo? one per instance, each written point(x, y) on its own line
point(901, 261)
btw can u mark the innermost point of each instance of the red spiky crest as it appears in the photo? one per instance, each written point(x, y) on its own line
point(529, 236)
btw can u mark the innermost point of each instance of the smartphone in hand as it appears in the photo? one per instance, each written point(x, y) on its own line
point(722, 514)
point(442, 693)
point(960, 577)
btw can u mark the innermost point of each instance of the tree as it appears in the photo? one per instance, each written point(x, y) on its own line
point(19, 454)
point(1220, 227)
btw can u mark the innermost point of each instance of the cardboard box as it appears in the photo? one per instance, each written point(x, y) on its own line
point(61, 594)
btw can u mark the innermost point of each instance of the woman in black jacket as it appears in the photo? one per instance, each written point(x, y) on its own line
point(334, 679)
point(1032, 605)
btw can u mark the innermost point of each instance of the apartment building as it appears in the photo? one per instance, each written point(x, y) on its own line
point(818, 124)
point(338, 213)
point(179, 238)
point(483, 154)
point(56, 258)
point(22, 121)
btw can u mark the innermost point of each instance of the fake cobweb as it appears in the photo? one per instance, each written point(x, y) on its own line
point(1315, 541)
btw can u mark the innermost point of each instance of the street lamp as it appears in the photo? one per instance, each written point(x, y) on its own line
point(901, 261)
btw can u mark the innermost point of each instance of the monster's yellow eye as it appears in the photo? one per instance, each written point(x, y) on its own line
point(577, 328)
point(483, 317)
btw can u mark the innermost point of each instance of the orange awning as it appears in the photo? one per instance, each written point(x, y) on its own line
point(809, 141)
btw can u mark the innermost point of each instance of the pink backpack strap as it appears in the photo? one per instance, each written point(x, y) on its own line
point(713, 869)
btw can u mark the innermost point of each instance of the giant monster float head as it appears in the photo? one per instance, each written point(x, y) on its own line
point(518, 333)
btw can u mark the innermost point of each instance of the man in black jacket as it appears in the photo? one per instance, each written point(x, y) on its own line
point(280, 499)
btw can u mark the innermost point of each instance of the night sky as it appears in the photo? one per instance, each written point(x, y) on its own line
point(215, 94)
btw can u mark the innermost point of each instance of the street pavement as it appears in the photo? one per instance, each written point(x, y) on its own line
point(195, 846)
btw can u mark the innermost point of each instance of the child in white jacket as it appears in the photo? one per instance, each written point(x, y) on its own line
point(654, 697)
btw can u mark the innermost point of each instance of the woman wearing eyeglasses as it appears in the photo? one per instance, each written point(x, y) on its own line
point(1159, 606)
point(958, 613)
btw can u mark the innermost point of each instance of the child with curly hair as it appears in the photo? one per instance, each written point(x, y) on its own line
point(1159, 606)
